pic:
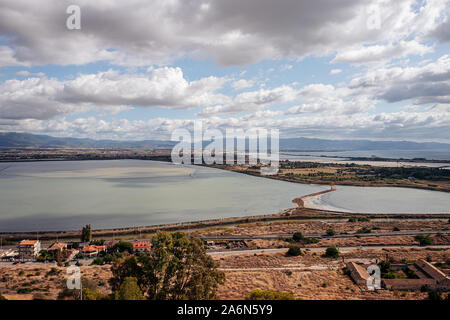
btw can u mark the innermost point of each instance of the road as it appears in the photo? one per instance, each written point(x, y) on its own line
point(322, 236)
point(316, 249)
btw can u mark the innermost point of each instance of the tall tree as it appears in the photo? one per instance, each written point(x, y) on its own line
point(86, 233)
point(176, 268)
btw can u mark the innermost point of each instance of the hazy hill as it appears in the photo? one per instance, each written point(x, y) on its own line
point(13, 139)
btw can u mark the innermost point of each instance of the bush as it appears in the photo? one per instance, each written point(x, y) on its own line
point(332, 252)
point(294, 251)
point(298, 236)
point(363, 230)
point(396, 229)
point(269, 295)
point(423, 240)
point(331, 232)
point(97, 261)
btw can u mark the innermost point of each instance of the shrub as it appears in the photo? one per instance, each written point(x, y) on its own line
point(298, 236)
point(269, 295)
point(364, 230)
point(332, 252)
point(331, 232)
point(294, 251)
point(396, 229)
point(97, 261)
point(423, 240)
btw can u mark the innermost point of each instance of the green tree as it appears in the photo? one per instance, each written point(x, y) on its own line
point(298, 236)
point(176, 268)
point(129, 290)
point(294, 251)
point(86, 233)
point(332, 252)
point(123, 246)
point(423, 240)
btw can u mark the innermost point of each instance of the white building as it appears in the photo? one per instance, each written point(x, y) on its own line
point(29, 249)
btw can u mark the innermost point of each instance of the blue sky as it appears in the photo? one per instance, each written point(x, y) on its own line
point(140, 70)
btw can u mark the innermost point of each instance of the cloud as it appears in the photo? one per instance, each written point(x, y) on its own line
point(335, 71)
point(233, 32)
point(42, 98)
point(242, 84)
point(252, 101)
point(428, 83)
point(380, 54)
point(418, 126)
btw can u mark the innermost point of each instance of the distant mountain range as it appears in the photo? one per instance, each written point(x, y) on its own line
point(14, 139)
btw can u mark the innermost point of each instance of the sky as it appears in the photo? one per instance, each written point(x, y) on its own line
point(139, 69)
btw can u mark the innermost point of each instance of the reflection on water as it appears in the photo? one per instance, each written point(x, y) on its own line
point(125, 193)
point(382, 200)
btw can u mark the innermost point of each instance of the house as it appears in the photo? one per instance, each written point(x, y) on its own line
point(92, 250)
point(29, 249)
point(57, 246)
point(142, 246)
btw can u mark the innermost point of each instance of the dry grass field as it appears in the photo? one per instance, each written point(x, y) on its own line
point(310, 276)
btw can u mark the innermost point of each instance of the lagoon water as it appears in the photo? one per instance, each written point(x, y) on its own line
point(65, 195)
point(382, 200)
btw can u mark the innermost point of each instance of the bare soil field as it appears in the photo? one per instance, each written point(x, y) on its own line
point(321, 227)
point(310, 276)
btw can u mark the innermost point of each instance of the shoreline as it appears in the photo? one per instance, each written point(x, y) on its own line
point(300, 202)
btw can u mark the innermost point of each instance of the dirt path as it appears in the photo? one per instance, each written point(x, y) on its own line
point(301, 204)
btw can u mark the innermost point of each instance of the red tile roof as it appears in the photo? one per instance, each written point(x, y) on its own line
point(27, 242)
point(142, 244)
